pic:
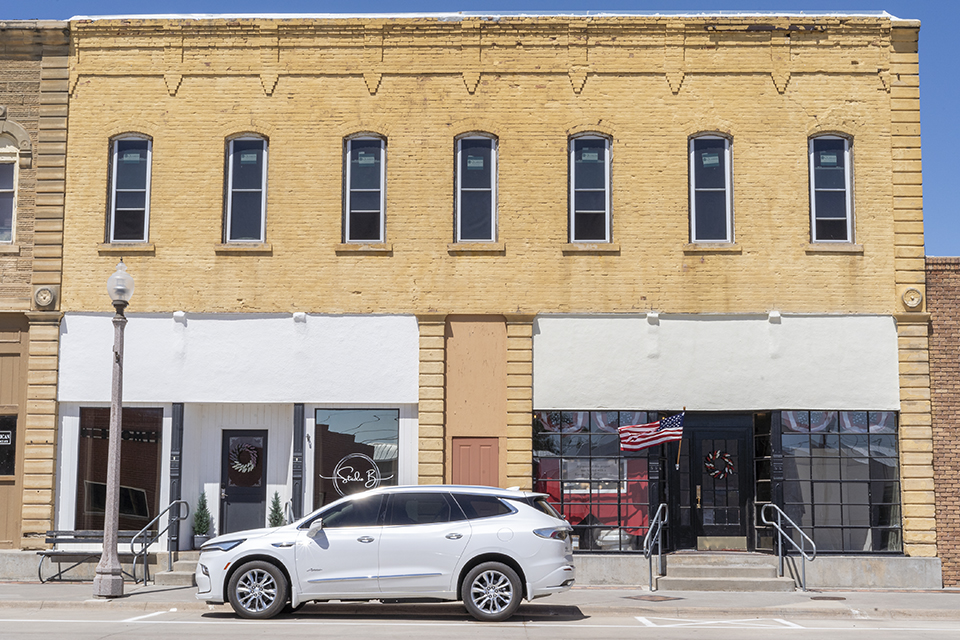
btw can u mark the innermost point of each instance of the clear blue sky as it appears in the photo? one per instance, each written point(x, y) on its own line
point(939, 87)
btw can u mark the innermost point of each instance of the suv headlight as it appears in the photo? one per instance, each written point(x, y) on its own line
point(553, 533)
point(226, 545)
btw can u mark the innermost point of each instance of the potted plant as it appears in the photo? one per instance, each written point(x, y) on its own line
point(201, 522)
point(276, 518)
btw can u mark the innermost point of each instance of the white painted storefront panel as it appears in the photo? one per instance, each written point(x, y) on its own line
point(715, 363)
point(243, 358)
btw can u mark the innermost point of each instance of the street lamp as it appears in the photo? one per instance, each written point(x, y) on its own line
point(108, 582)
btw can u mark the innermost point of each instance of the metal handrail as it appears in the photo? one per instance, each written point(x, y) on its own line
point(288, 511)
point(781, 535)
point(655, 537)
point(145, 542)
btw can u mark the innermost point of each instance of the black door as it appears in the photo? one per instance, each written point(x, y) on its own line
point(243, 480)
point(710, 493)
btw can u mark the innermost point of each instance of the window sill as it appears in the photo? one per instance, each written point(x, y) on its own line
point(126, 249)
point(839, 247)
point(254, 248)
point(373, 248)
point(10, 249)
point(477, 247)
point(712, 247)
point(591, 247)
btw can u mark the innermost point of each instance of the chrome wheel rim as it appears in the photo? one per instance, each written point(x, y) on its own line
point(491, 592)
point(256, 590)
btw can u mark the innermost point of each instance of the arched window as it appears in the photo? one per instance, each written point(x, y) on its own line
point(831, 195)
point(246, 206)
point(9, 153)
point(130, 163)
point(365, 173)
point(589, 176)
point(476, 188)
point(711, 189)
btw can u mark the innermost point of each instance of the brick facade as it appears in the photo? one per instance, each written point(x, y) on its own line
point(33, 88)
point(943, 291)
point(646, 83)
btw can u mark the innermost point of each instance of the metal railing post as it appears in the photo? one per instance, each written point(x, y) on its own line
point(781, 534)
point(655, 536)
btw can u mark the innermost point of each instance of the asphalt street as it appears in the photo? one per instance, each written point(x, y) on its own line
point(69, 610)
point(431, 622)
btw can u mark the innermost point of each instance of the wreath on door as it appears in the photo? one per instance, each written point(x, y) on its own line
point(719, 464)
point(239, 450)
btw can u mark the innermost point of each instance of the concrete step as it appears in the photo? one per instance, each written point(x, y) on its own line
point(714, 571)
point(175, 578)
point(185, 565)
point(670, 583)
point(720, 559)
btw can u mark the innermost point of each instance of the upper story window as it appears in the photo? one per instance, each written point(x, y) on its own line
point(711, 190)
point(365, 176)
point(8, 188)
point(130, 161)
point(589, 189)
point(831, 201)
point(476, 189)
point(246, 189)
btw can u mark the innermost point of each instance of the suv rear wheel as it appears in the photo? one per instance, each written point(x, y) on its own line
point(491, 592)
point(257, 589)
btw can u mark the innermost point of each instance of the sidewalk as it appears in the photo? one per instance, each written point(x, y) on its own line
point(588, 601)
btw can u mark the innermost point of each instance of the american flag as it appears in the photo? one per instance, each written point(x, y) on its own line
point(641, 436)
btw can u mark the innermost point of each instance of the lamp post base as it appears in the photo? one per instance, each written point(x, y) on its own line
point(108, 585)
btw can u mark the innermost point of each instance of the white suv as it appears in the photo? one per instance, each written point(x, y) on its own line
point(487, 547)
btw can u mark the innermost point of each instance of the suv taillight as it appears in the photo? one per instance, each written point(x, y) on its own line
point(553, 533)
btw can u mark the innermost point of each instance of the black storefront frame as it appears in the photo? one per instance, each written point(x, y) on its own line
point(764, 462)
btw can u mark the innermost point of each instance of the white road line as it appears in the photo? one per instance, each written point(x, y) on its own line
point(788, 624)
point(749, 623)
point(139, 618)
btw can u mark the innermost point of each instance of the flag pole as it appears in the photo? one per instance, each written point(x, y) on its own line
point(679, 447)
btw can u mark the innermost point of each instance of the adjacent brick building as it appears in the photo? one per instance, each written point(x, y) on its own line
point(943, 291)
point(476, 245)
point(33, 135)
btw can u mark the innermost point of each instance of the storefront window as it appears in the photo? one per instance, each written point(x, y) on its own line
point(841, 478)
point(356, 450)
point(602, 492)
point(140, 457)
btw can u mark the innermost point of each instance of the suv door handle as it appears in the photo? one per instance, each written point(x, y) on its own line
point(365, 539)
point(454, 536)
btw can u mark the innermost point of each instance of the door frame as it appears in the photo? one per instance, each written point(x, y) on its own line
point(680, 492)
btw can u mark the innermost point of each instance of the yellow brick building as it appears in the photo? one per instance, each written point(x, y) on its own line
point(502, 237)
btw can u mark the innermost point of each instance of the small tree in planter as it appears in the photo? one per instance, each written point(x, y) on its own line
point(201, 522)
point(276, 518)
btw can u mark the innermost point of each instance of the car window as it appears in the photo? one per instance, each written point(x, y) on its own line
point(479, 506)
point(541, 505)
point(359, 512)
point(420, 508)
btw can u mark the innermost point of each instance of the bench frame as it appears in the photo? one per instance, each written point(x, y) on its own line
point(76, 557)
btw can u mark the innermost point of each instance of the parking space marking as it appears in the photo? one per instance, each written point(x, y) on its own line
point(750, 623)
point(149, 615)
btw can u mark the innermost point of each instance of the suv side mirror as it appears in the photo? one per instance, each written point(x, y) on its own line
point(315, 527)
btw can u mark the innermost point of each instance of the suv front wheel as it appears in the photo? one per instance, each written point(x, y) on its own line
point(258, 589)
point(491, 592)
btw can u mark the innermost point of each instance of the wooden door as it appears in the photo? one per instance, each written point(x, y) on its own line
point(476, 461)
point(13, 335)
